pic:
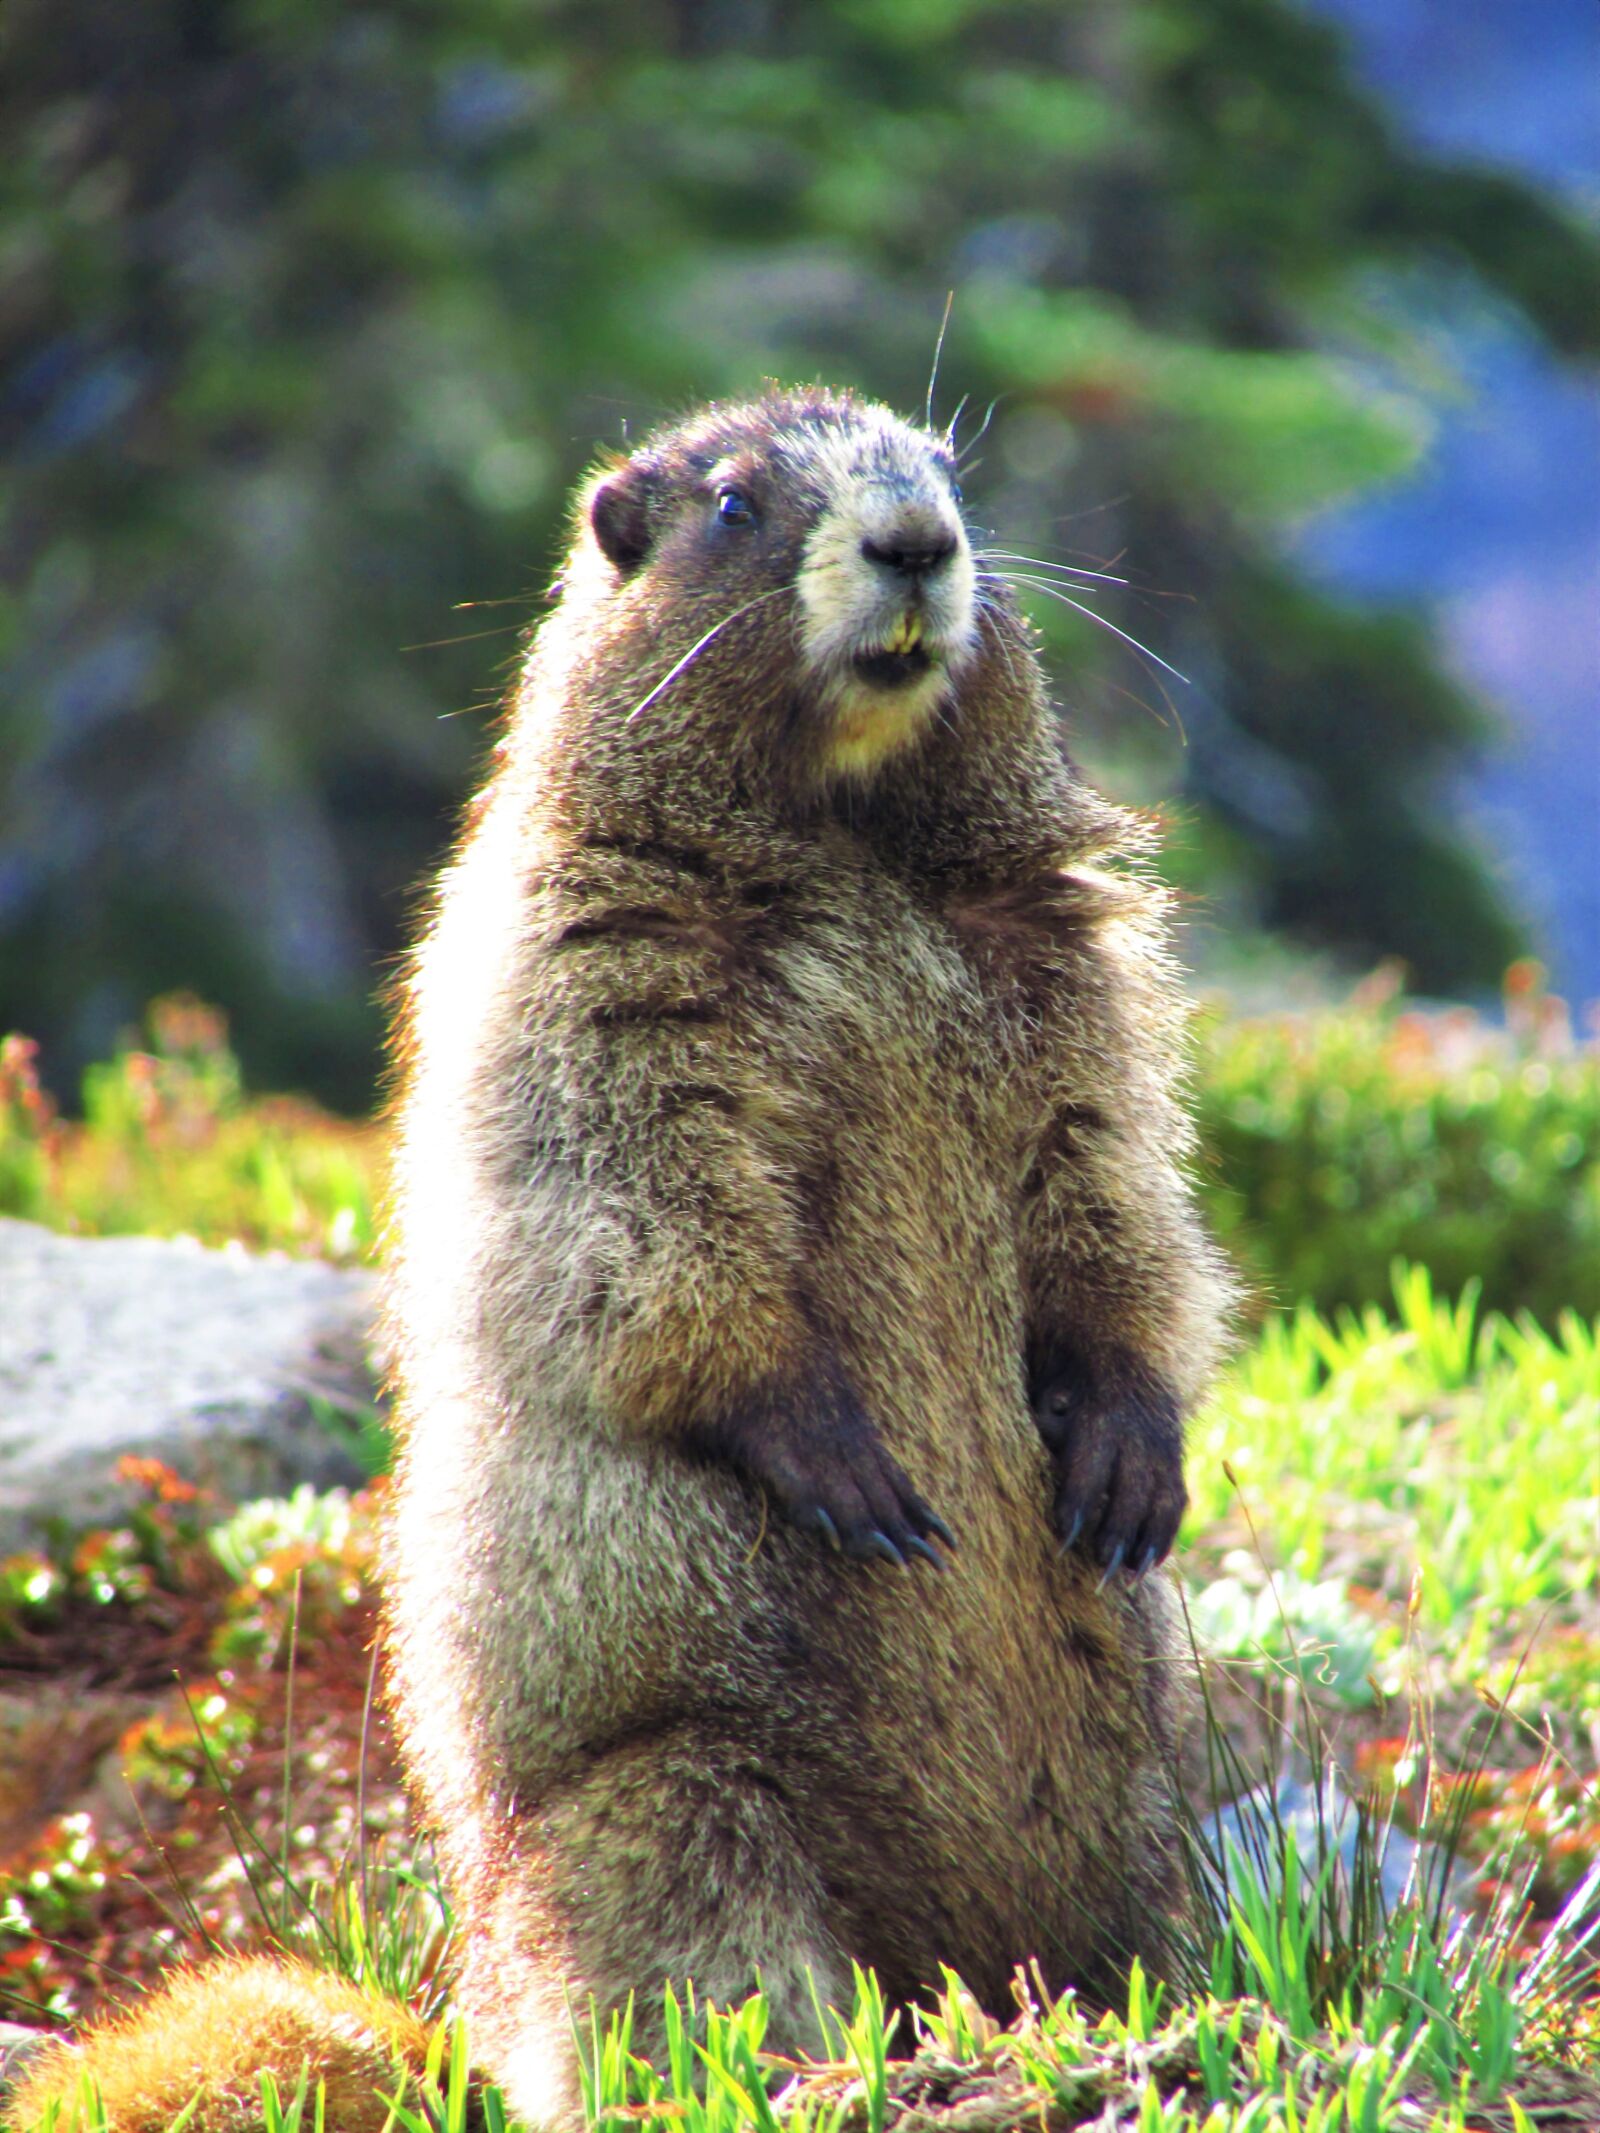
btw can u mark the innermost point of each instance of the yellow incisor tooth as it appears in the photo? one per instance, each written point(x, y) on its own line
point(907, 633)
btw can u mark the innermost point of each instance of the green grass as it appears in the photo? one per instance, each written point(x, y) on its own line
point(1430, 2041)
point(1429, 1443)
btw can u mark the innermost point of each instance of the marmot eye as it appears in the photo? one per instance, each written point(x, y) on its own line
point(734, 508)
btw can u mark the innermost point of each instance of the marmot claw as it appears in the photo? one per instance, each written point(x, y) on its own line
point(827, 1469)
point(1116, 1447)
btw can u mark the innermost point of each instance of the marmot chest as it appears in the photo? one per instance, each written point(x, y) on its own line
point(899, 1024)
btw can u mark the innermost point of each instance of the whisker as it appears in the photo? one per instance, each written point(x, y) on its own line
point(948, 724)
point(698, 647)
point(938, 350)
point(986, 606)
point(1044, 585)
point(1117, 689)
point(432, 644)
point(973, 442)
point(950, 427)
point(1144, 653)
point(1106, 562)
point(1070, 518)
point(1015, 555)
point(984, 601)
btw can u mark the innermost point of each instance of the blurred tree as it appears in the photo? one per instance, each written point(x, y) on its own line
point(310, 311)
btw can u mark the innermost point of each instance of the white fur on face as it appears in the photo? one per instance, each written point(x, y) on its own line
point(882, 485)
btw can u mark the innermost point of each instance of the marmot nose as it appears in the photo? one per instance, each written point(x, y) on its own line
point(911, 551)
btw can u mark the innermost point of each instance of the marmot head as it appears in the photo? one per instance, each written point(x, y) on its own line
point(804, 551)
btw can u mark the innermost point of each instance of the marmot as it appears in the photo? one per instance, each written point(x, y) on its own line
point(795, 1287)
point(790, 1206)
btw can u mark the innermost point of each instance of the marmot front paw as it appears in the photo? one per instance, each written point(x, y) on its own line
point(1116, 1447)
point(826, 1467)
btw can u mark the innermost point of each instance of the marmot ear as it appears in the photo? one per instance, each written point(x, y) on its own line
point(619, 512)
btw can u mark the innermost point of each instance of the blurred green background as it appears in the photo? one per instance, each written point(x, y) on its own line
point(311, 312)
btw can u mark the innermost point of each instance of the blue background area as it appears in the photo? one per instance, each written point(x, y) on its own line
point(1500, 528)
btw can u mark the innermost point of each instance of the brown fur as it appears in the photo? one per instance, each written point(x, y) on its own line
point(211, 2033)
point(771, 1128)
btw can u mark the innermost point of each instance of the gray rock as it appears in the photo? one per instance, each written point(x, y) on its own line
point(224, 1365)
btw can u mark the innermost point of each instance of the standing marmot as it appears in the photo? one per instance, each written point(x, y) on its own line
point(789, 1204)
point(788, 1156)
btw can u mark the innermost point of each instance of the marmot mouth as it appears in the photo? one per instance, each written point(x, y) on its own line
point(892, 670)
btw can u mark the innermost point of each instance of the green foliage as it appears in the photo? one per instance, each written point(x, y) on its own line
point(1407, 2027)
point(313, 314)
point(1265, 431)
point(1405, 1444)
point(1364, 1958)
point(294, 1564)
point(1300, 1627)
point(1337, 1142)
point(172, 1755)
point(81, 1571)
point(301, 1524)
point(66, 1871)
point(1302, 757)
point(26, 1120)
point(169, 1145)
point(448, 2100)
point(713, 2080)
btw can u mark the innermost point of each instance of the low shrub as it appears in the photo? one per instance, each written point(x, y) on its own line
point(1338, 1141)
point(169, 1143)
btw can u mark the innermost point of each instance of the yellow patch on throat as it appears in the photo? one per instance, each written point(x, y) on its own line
point(872, 724)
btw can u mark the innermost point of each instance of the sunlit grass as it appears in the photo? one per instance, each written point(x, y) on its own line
point(1428, 1439)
